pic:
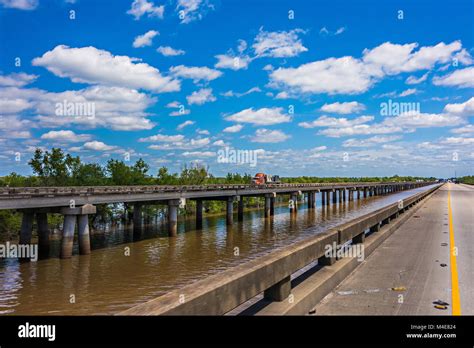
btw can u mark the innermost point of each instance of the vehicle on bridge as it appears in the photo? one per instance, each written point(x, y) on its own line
point(262, 179)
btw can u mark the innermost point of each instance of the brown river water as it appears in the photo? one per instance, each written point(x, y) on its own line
point(109, 280)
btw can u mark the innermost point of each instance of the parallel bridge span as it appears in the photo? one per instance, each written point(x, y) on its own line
point(77, 203)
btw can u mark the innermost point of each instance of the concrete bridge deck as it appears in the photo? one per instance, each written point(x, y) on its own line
point(46, 197)
point(440, 233)
point(78, 203)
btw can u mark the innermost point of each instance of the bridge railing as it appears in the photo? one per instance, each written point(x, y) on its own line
point(89, 190)
point(220, 293)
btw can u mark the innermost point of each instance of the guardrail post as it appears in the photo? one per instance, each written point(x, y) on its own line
point(199, 214)
point(230, 210)
point(68, 236)
point(173, 205)
point(84, 235)
point(279, 291)
point(327, 260)
point(359, 239)
point(375, 228)
point(43, 234)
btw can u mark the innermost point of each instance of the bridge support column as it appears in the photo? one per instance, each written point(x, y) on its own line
point(279, 291)
point(294, 205)
point(323, 198)
point(26, 227)
point(69, 226)
point(358, 194)
point(272, 205)
point(199, 214)
point(365, 192)
point(84, 234)
point(230, 211)
point(268, 205)
point(312, 200)
point(240, 209)
point(351, 195)
point(68, 236)
point(173, 205)
point(137, 217)
point(43, 234)
point(334, 196)
point(341, 196)
point(344, 197)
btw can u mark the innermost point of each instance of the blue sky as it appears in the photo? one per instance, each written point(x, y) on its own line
point(301, 83)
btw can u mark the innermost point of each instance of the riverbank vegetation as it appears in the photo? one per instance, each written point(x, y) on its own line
point(467, 180)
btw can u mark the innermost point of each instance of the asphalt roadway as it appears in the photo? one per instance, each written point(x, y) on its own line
point(426, 267)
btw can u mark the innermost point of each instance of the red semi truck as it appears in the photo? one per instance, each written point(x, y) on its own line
point(262, 179)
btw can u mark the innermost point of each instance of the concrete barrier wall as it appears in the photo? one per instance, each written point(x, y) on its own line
point(218, 294)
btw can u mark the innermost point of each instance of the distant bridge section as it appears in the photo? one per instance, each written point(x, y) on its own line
point(77, 203)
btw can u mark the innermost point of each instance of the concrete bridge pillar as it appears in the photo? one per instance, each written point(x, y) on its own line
point(240, 209)
point(272, 204)
point(67, 242)
point(334, 196)
point(365, 192)
point(199, 214)
point(311, 200)
point(351, 195)
point(26, 227)
point(43, 233)
point(230, 211)
point(84, 234)
point(268, 204)
point(173, 205)
point(358, 193)
point(137, 217)
point(344, 195)
point(71, 216)
point(294, 202)
point(323, 198)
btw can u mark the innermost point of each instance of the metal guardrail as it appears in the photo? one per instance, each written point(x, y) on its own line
point(7, 192)
point(219, 294)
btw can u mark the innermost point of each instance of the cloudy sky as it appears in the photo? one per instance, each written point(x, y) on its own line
point(324, 88)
